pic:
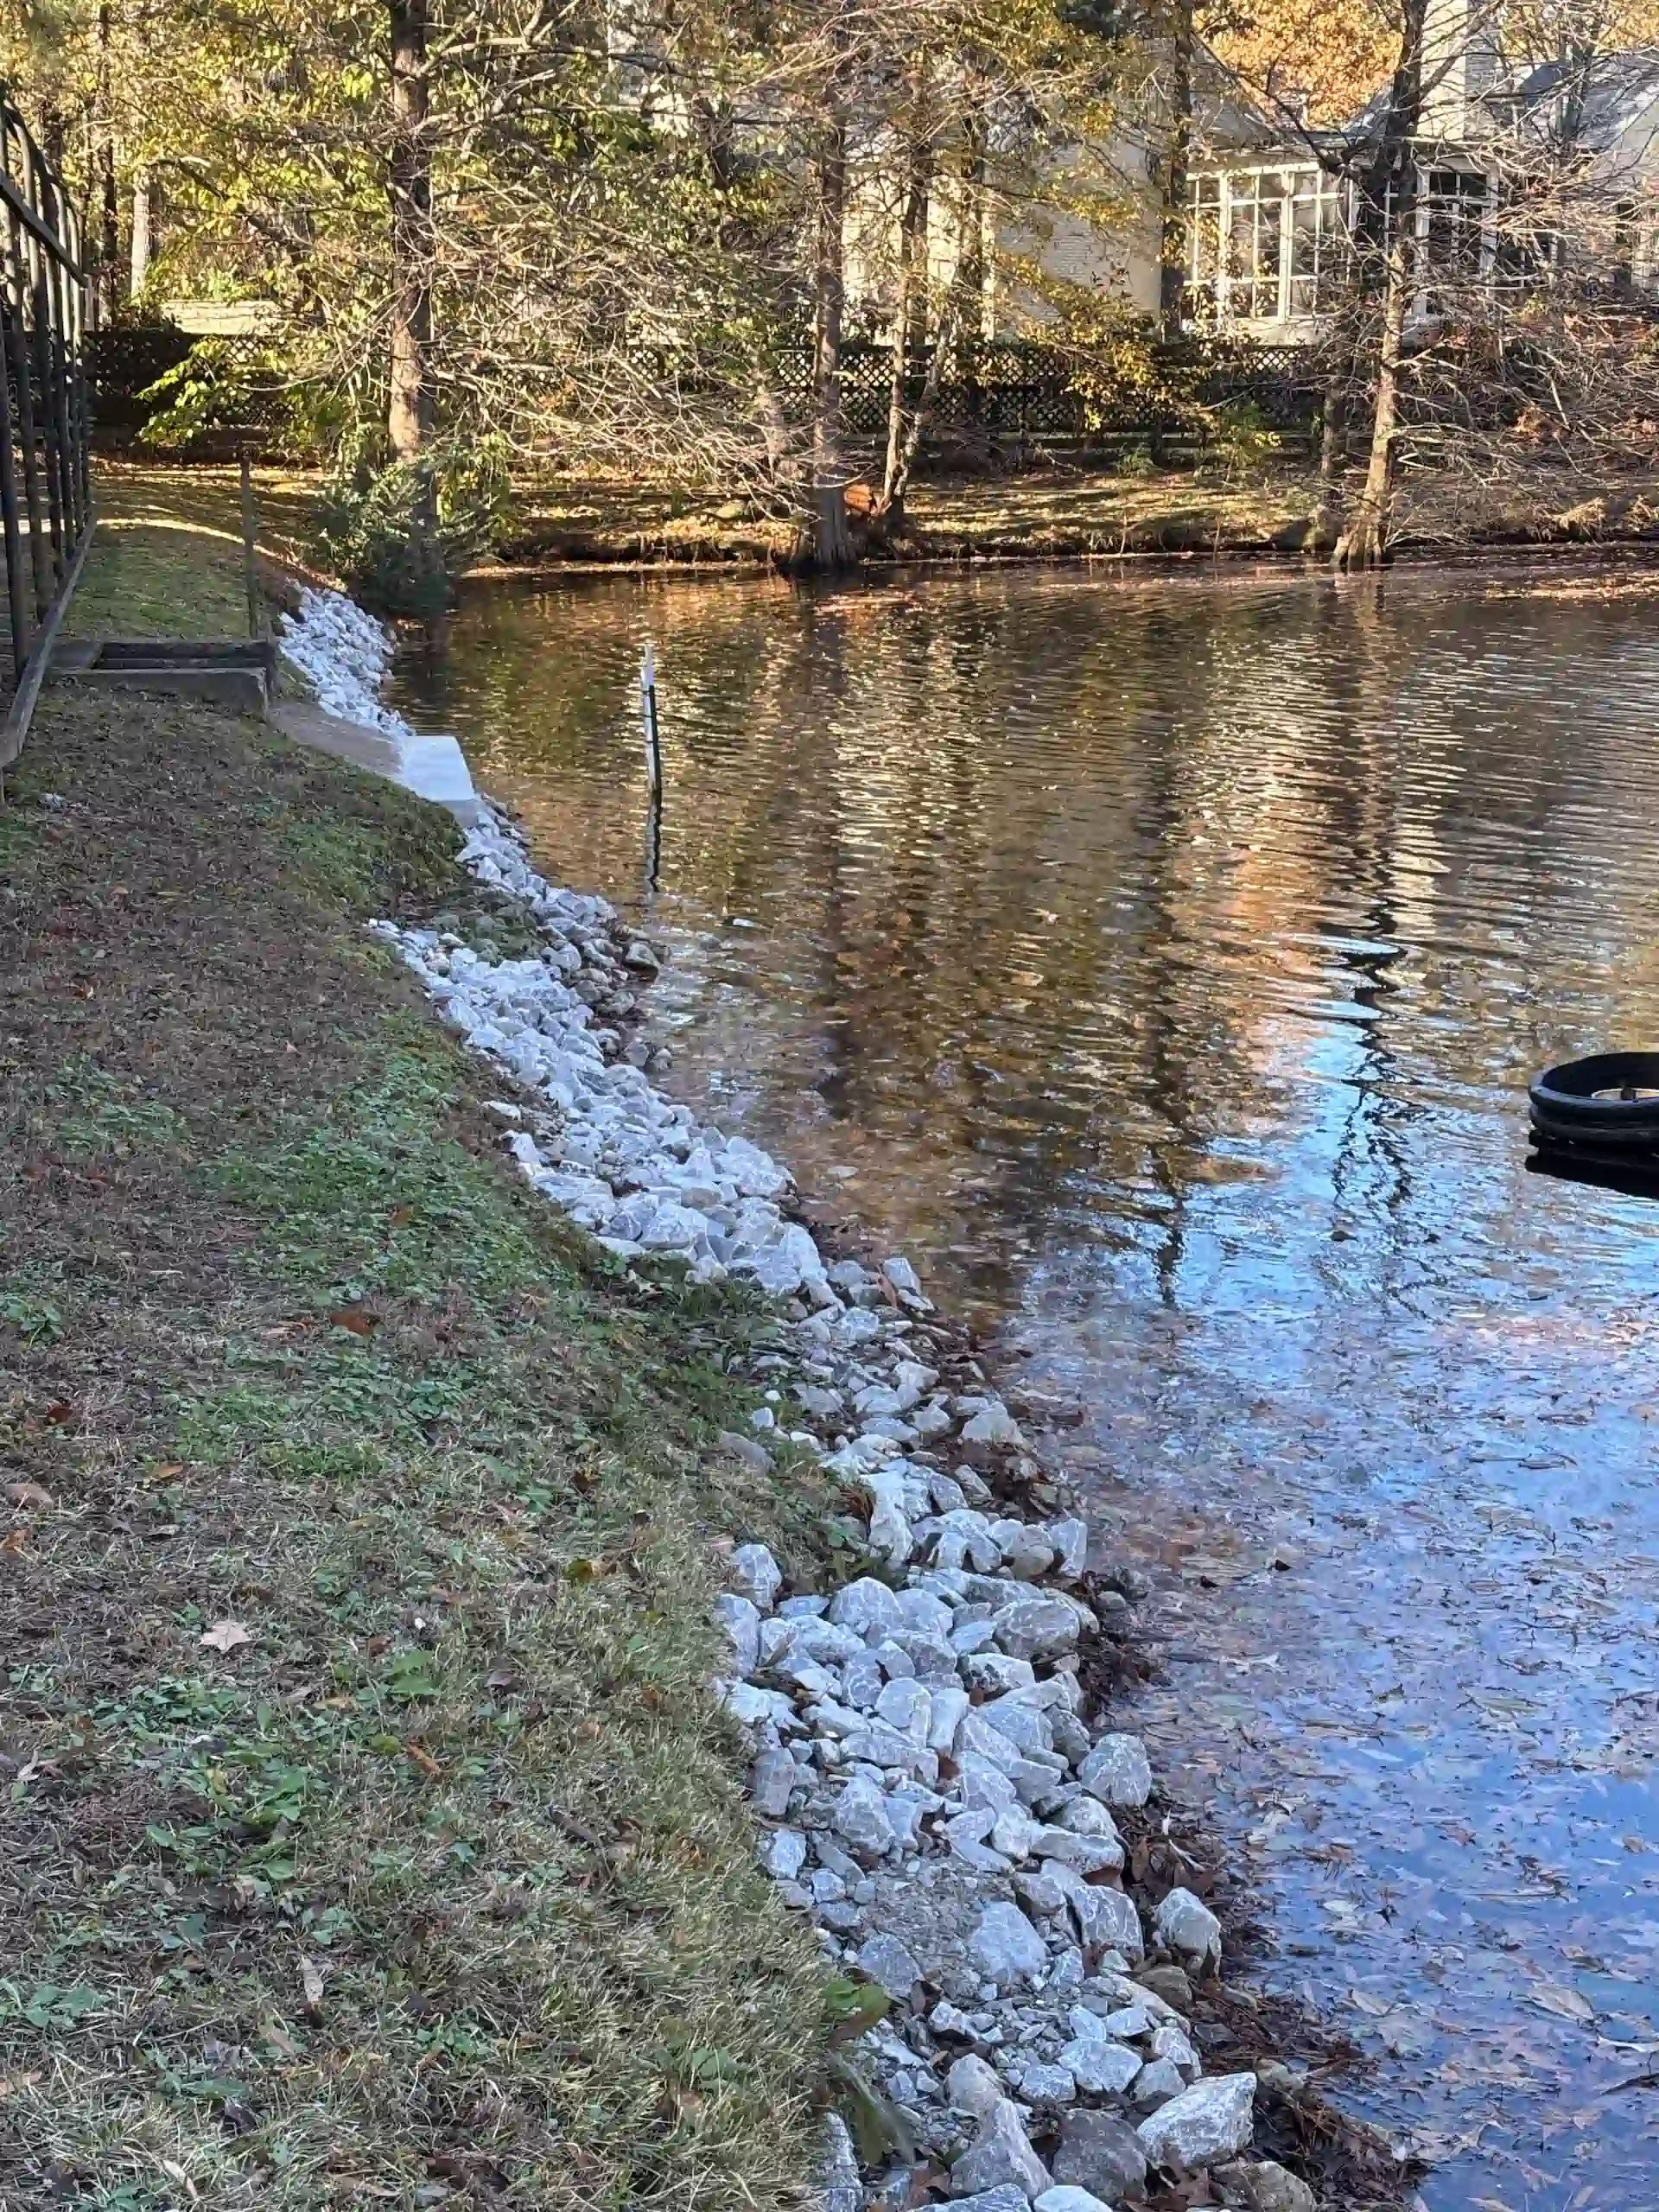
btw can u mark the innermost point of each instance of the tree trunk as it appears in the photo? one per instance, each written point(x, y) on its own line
point(109, 231)
point(1333, 445)
point(408, 415)
point(1171, 280)
point(909, 314)
point(832, 544)
point(968, 283)
point(1364, 542)
point(138, 267)
point(1390, 221)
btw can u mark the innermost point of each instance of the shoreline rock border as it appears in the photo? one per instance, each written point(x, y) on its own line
point(934, 1781)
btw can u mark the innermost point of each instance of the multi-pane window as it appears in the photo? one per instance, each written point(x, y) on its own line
point(1264, 246)
point(1202, 234)
point(1317, 243)
point(1272, 244)
point(1451, 230)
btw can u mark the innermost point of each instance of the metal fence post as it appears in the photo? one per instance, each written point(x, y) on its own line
point(45, 475)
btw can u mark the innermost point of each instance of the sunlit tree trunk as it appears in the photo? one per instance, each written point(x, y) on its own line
point(1171, 283)
point(1364, 544)
point(409, 415)
point(832, 544)
point(138, 264)
point(1389, 213)
point(909, 311)
point(109, 205)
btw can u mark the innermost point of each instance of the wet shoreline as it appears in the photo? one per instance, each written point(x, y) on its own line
point(1166, 967)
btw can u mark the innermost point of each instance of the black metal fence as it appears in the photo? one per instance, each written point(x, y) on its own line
point(1015, 399)
point(1002, 401)
point(46, 505)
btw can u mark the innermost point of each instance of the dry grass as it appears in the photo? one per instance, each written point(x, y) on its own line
point(439, 1887)
point(1055, 513)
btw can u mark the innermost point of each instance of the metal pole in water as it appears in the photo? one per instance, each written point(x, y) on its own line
point(653, 763)
point(648, 720)
point(250, 572)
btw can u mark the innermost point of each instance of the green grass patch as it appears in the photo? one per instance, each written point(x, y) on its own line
point(371, 1837)
point(155, 580)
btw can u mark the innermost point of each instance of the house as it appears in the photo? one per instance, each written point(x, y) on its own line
point(1521, 163)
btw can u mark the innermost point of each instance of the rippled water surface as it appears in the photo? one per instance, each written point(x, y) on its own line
point(1162, 963)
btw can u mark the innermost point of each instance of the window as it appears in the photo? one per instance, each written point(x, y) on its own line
point(1254, 230)
point(1264, 245)
point(1318, 244)
point(1204, 233)
point(1451, 225)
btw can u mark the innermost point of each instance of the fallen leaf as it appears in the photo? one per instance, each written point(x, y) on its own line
point(354, 1319)
point(61, 1411)
point(424, 1760)
point(311, 1982)
point(30, 1494)
point(1567, 2003)
point(225, 1636)
point(13, 1543)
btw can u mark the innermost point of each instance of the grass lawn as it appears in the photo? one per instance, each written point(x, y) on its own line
point(371, 1838)
point(177, 519)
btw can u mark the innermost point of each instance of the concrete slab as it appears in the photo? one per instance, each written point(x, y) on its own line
point(432, 767)
point(233, 673)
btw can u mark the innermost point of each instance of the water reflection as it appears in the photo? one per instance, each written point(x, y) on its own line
point(1166, 962)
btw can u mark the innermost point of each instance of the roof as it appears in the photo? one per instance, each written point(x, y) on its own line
point(1613, 90)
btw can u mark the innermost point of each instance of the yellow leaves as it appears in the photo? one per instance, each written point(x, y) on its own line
point(1337, 57)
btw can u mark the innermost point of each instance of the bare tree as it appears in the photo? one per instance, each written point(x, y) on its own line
point(1384, 228)
point(409, 410)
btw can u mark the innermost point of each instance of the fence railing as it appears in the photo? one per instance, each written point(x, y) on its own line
point(46, 502)
point(1005, 398)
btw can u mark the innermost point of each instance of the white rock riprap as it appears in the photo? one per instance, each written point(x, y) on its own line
point(344, 653)
point(934, 1788)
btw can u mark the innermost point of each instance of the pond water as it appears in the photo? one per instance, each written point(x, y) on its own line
point(1162, 963)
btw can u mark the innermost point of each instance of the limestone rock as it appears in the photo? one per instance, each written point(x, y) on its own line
point(757, 1574)
point(783, 1852)
point(885, 1959)
point(839, 2187)
point(1118, 1771)
point(973, 2086)
point(1099, 2065)
point(1184, 1922)
point(1006, 1946)
point(1210, 2121)
point(1000, 2153)
point(740, 1617)
point(773, 1777)
point(1040, 1628)
point(1158, 2082)
point(1100, 2152)
point(1264, 2187)
point(860, 1815)
point(867, 1607)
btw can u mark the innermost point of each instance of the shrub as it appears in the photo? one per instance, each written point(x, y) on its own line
point(397, 534)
